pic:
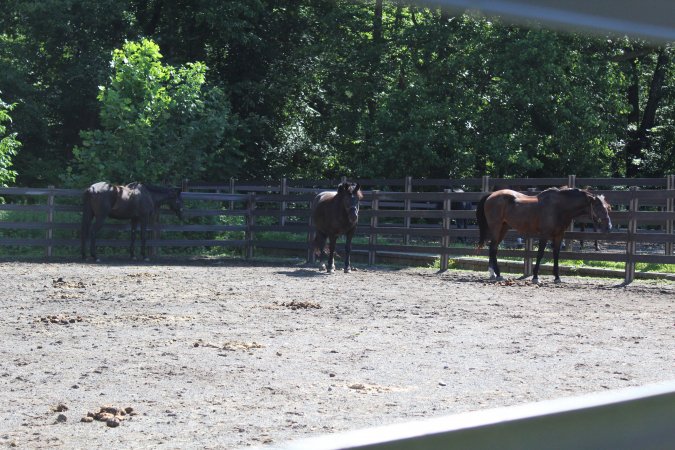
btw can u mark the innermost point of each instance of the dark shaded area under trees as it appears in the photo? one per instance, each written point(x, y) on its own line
point(323, 88)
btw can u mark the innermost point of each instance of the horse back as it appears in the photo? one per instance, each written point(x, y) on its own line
point(99, 199)
point(132, 201)
point(519, 211)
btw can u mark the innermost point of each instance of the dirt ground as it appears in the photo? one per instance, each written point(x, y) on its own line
point(223, 354)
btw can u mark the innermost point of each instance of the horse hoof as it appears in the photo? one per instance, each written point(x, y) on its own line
point(535, 280)
point(557, 281)
point(322, 268)
point(348, 269)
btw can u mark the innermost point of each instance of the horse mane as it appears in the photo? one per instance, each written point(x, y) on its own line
point(577, 191)
point(153, 188)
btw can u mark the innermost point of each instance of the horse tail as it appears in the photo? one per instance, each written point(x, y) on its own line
point(482, 221)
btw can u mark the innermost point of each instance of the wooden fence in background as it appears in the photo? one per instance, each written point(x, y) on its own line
point(397, 218)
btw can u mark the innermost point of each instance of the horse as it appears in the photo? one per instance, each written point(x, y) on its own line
point(135, 201)
point(335, 214)
point(545, 216)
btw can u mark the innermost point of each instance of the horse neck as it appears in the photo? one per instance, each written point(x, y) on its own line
point(338, 206)
point(579, 205)
point(159, 196)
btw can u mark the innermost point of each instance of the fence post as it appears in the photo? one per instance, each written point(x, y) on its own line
point(529, 248)
point(284, 191)
point(485, 183)
point(231, 192)
point(155, 249)
point(407, 206)
point(670, 207)
point(372, 238)
point(50, 221)
point(250, 222)
point(630, 243)
point(445, 238)
point(571, 183)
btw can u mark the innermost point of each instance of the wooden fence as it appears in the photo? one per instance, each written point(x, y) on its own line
point(397, 218)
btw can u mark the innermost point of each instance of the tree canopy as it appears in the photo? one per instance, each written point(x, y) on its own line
point(161, 90)
point(158, 123)
point(8, 146)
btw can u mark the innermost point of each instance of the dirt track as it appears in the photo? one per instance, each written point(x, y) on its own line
point(226, 355)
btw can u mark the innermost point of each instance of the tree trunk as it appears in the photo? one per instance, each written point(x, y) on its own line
point(638, 139)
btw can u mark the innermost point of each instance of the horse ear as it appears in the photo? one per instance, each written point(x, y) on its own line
point(341, 188)
point(357, 187)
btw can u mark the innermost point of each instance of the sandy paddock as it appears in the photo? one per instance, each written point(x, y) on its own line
point(224, 354)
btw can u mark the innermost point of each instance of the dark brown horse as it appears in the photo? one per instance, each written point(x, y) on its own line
point(544, 216)
point(335, 214)
point(136, 202)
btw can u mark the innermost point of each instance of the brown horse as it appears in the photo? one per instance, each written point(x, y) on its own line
point(335, 214)
point(135, 201)
point(545, 216)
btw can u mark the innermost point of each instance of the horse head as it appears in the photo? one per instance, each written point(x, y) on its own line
point(599, 212)
point(350, 195)
point(175, 202)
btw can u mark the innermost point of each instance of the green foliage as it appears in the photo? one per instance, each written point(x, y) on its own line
point(159, 123)
point(321, 89)
point(9, 146)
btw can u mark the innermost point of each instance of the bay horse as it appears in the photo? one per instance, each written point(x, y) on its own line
point(335, 214)
point(135, 201)
point(545, 216)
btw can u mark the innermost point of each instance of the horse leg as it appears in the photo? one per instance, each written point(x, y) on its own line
point(597, 246)
point(540, 254)
point(144, 225)
point(348, 251)
point(319, 248)
point(331, 254)
point(98, 224)
point(134, 225)
point(557, 240)
point(493, 267)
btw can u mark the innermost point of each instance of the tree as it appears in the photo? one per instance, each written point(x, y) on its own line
point(324, 88)
point(643, 117)
point(54, 54)
point(159, 123)
point(9, 146)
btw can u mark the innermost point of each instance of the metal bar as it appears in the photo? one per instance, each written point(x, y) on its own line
point(626, 419)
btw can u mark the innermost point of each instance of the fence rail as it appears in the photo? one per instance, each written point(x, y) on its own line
point(621, 420)
point(405, 220)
